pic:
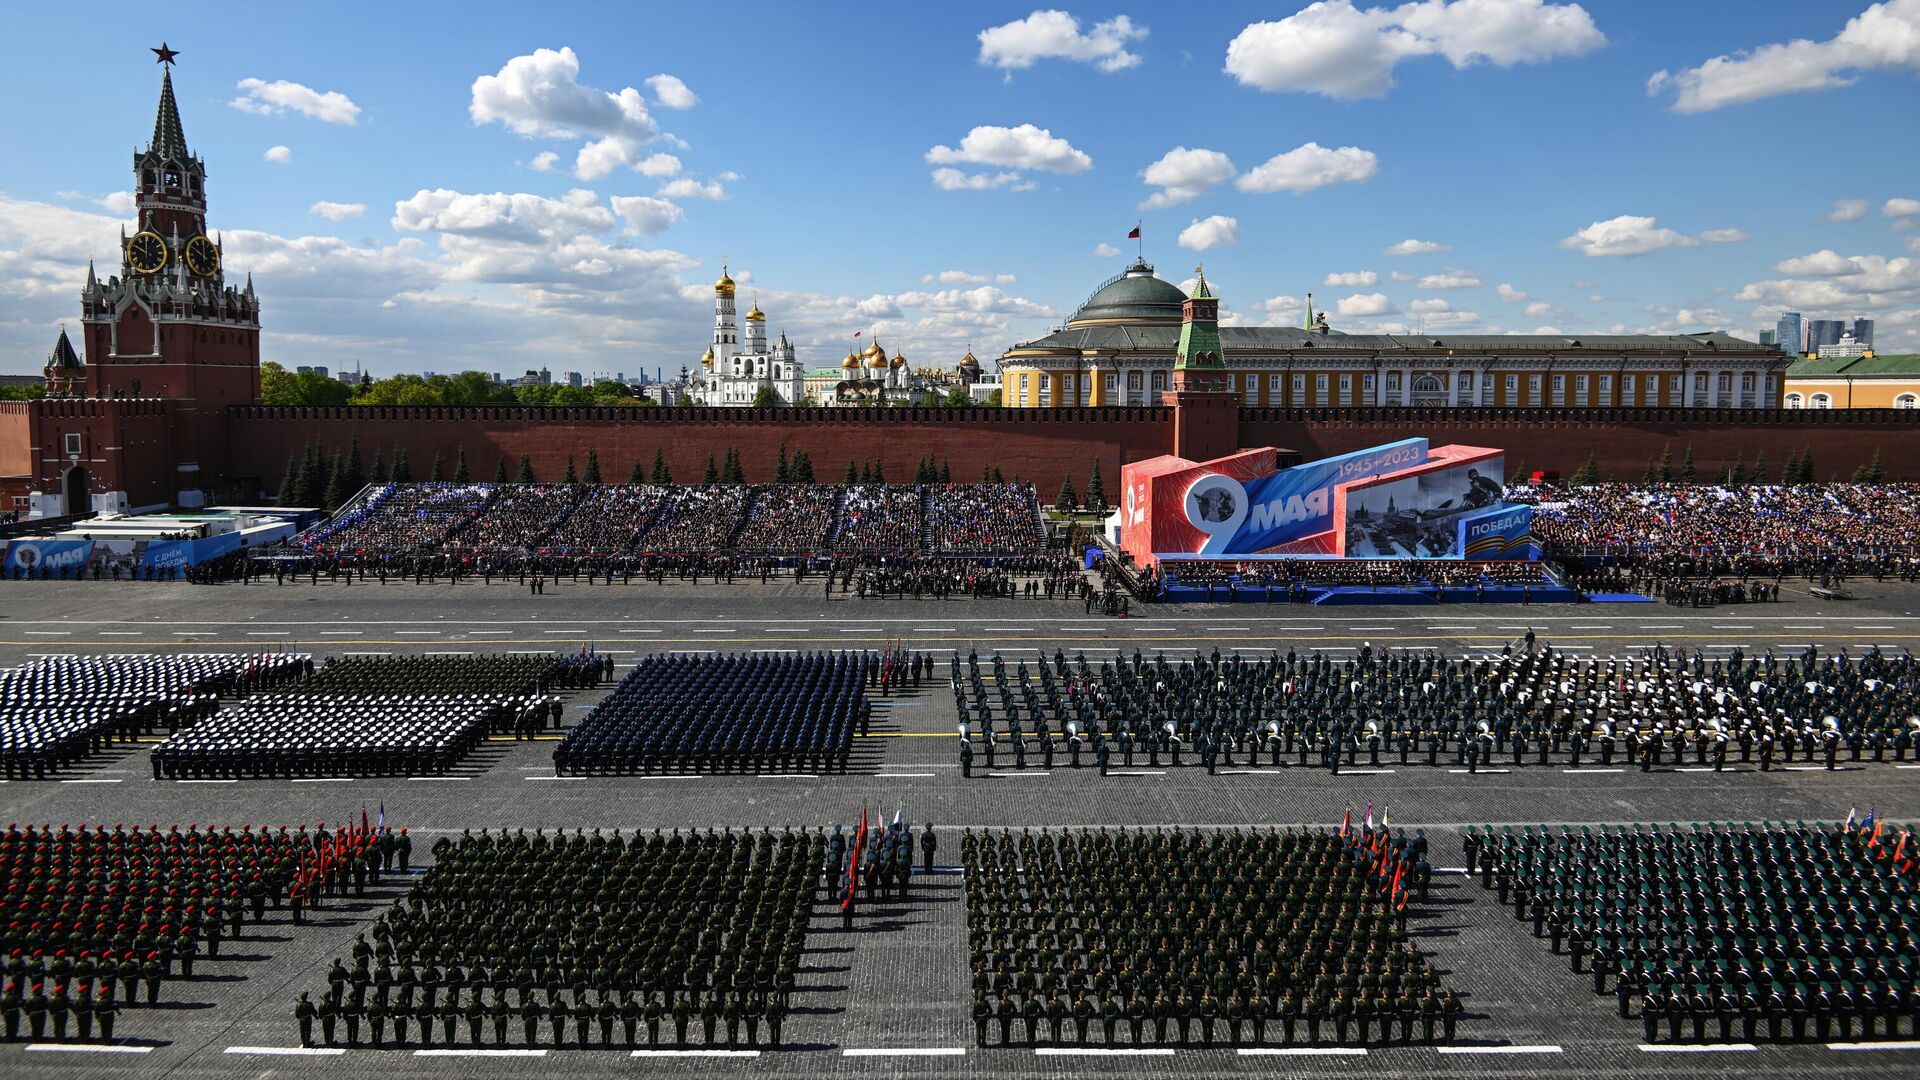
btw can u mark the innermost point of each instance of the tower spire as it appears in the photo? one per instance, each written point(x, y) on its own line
point(168, 138)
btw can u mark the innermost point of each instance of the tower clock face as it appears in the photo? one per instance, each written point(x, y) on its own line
point(147, 253)
point(202, 257)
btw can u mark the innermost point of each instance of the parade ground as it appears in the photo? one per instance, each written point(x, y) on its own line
point(891, 997)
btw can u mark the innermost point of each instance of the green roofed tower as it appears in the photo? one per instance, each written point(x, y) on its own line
point(1199, 328)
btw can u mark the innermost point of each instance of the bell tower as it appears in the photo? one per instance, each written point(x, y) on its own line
point(169, 325)
point(1206, 415)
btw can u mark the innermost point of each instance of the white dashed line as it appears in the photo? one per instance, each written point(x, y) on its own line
point(908, 1051)
point(1499, 1049)
point(480, 1051)
point(694, 1053)
point(1303, 1051)
point(86, 1048)
point(287, 1051)
point(1907, 1045)
point(1697, 1048)
point(1103, 1051)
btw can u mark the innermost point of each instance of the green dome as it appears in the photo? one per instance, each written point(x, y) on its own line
point(1134, 296)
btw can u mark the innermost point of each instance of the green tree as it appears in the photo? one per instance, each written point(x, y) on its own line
point(402, 468)
point(1873, 472)
point(1687, 472)
point(712, 475)
point(946, 474)
point(986, 474)
point(1737, 473)
point(500, 472)
point(853, 476)
point(289, 483)
point(1067, 501)
point(336, 492)
point(782, 469)
point(356, 477)
point(995, 400)
point(730, 470)
point(1806, 466)
point(438, 471)
point(592, 475)
point(802, 468)
point(997, 478)
point(1758, 474)
point(958, 398)
point(1588, 473)
point(525, 475)
point(379, 475)
point(462, 474)
point(1096, 490)
point(1652, 475)
point(879, 472)
point(639, 474)
point(572, 477)
point(662, 476)
point(1666, 464)
point(767, 398)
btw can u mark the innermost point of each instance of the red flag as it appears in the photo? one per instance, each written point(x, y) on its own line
point(1134, 234)
point(1346, 822)
point(853, 864)
point(1394, 889)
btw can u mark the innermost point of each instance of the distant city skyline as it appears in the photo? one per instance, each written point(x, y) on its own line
point(526, 192)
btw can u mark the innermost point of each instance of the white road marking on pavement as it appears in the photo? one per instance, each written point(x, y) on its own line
point(439, 777)
point(1229, 628)
point(862, 630)
point(483, 1051)
point(323, 779)
point(1041, 772)
point(1465, 771)
point(419, 633)
point(1369, 772)
point(905, 1051)
point(352, 633)
point(50, 633)
point(1007, 628)
point(1697, 1048)
point(552, 631)
point(1138, 772)
point(90, 781)
point(888, 775)
point(1499, 1049)
point(694, 1053)
point(87, 1048)
point(193, 633)
point(1373, 628)
point(786, 776)
point(206, 781)
point(1593, 770)
point(1303, 1051)
point(120, 633)
point(623, 631)
point(288, 1051)
point(1906, 1045)
point(553, 778)
point(1103, 1051)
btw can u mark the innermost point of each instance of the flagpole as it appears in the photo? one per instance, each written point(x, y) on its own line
point(1139, 239)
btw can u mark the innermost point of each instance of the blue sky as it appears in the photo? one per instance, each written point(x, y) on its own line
point(506, 187)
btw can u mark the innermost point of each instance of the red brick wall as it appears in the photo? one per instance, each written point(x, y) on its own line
point(1038, 445)
point(1621, 440)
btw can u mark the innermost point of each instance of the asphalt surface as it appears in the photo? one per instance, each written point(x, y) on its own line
point(890, 997)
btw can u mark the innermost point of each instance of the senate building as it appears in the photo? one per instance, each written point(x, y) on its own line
point(1118, 349)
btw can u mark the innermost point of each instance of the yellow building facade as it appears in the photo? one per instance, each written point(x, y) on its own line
point(1854, 382)
point(1118, 349)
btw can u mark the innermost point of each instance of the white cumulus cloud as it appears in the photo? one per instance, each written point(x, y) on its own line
point(1353, 278)
point(688, 188)
point(1848, 210)
point(947, 179)
point(280, 96)
point(1341, 51)
point(646, 215)
point(1451, 279)
point(1364, 304)
point(1310, 166)
point(539, 95)
point(1416, 247)
point(962, 277)
point(1508, 293)
point(1723, 236)
point(337, 211)
point(671, 93)
point(1023, 147)
point(657, 165)
point(1626, 235)
point(516, 217)
point(279, 155)
point(1108, 251)
point(1182, 174)
point(544, 161)
point(1210, 232)
point(1884, 37)
point(1056, 35)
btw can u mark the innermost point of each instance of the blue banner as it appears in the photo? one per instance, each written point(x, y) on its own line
point(1502, 533)
point(1298, 502)
point(30, 556)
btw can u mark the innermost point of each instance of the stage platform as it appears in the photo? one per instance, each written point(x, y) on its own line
point(1366, 596)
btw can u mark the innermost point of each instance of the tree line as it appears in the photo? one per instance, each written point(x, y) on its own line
point(1796, 470)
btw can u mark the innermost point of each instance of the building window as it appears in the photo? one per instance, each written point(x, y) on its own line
point(1393, 382)
point(1906, 401)
point(1251, 393)
point(1626, 389)
point(1159, 380)
point(73, 444)
point(1513, 389)
point(1534, 383)
point(1795, 401)
point(1606, 389)
point(1299, 385)
point(1275, 383)
point(1133, 380)
point(1746, 383)
point(1674, 384)
point(1023, 390)
point(1046, 384)
point(1113, 384)
point(1428, 384)
point(1822, 401)
point(1366, 384)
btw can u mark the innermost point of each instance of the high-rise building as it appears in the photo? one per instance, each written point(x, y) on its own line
point(1766, 337)
point(1790, 333)
point(573, 378)
point(1863, 331)
point(1824, 332)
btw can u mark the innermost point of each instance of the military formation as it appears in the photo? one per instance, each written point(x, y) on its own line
point(739, 712)
point(1244, 937)
point(1531, 706)
point(378, 716)
point(94, 920)
point(583, 940)
point(1724, 932)
point(58, 710)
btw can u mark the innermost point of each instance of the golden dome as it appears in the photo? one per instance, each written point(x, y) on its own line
point(756, 315)
point(877, 360)
point(707, 359)
point(723, 287)
point(899, 360)
point(851, 363)
point(874, 350)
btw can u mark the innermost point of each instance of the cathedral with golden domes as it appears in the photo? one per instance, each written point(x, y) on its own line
point(740, 363)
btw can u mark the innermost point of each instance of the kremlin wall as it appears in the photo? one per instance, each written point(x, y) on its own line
point(159, 412)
